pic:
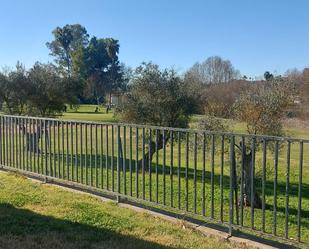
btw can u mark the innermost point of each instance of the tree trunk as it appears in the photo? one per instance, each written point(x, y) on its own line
point(147, 157)
point(247, 182)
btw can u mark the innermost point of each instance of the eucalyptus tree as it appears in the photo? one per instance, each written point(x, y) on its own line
point(67, 40)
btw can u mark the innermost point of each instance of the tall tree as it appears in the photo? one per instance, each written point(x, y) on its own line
point(67, 40)
point(214, 70)
point(99, 65)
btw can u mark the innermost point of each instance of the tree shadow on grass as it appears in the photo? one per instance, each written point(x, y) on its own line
point(21, 228)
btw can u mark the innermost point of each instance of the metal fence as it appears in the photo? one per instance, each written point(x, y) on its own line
point(248, 182)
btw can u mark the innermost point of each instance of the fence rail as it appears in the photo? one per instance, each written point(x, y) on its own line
point(257, 183)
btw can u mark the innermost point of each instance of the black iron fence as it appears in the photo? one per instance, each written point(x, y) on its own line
point(248, 182)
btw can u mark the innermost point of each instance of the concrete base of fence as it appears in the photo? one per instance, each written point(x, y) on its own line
point(237, 241)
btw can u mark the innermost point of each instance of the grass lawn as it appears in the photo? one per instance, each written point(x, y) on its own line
point(101, 172)
point(87, 113)
point(34, 215)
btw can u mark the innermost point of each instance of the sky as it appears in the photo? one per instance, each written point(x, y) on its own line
point(256, 36)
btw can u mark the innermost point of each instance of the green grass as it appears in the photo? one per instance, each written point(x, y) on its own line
point(34, 215)
point(97, 174)
point(87, 113)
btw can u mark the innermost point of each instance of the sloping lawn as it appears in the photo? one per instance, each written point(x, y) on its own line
point(34, 215)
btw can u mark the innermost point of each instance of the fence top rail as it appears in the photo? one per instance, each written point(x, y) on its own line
point(185, 130)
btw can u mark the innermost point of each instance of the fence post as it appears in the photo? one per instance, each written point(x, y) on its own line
point(118, 162)
point(232, 141)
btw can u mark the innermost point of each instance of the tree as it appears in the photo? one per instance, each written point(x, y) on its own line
point(67, 40)
point(47, 91)
point(14, 90)
point(262, 108)
point(157, 97)
point(268, 76)
point(98, 64)
point(214, 70)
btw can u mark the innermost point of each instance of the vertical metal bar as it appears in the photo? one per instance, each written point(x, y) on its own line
point(38, 128)
point(150, 164)
point(17, 142)
point(252, 182)
point(58, 144)
point(42, 145)
point(81, 153)
point(1, 126)
point(178, 171)
point(118, 158)
point(5, 136)
point(275, 188)
point(107, 157)
point(86, 153)
point(212, 174)
point(143, 163)
point(163, 169)
point(96, 156)
point(136, 163)
point(300, 178)
point(72, 151)
point(54, 149)
point(91, 158)
point(33, 132)
point(67, 150)
point(124, 156)
point(203, 175)
point(76, 152)
point(33, 144)
point(6, 144)
point(171, 169)
point(9, 142)
point(243, 153)
point(195, 168)
point(130, 163)
point(288, 158)
point(49, 149)
point(13, 142)
point(232, 142)
point(157, 173)
point(62, 143)
point(221, 177)
point(187, 169)
point(45, 146)
point(112, 159)
point(101, 156)
point(264, 183)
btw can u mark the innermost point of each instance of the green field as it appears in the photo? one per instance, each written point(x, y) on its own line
point(101, 172)
point(33, 215)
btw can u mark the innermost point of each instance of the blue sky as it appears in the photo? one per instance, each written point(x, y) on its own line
point(255, 35)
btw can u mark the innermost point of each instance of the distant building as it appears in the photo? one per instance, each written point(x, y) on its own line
point(117, 98)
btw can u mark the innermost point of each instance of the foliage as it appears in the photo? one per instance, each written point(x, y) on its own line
point(219, 99)
point(47, 96)
point(14, 90)
point(67, 40)
point(99, 66)
point(262, 106)
point(214, 70)
point(157, 97)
